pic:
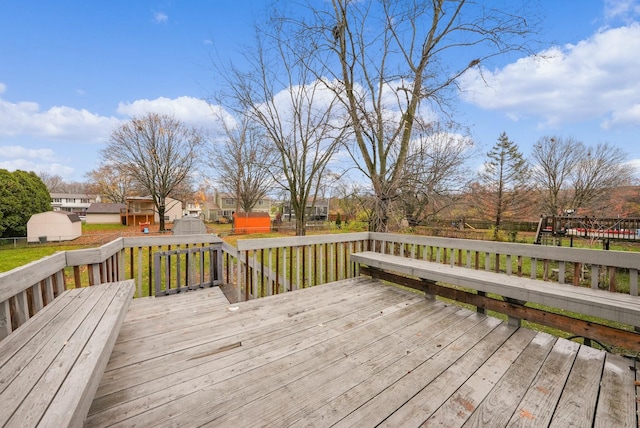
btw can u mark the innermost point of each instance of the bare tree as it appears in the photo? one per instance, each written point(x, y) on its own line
point(573, 176)
point(555, 159)
point(54, 182)
point(601, 169)
point(158, 151)
point(296, 112)
point(504, 179)
point(111, 182)
point(436, 175)
point(243, 162)
point(395, 59)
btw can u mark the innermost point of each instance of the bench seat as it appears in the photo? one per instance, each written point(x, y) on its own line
point(51, 366)
point(618, 307)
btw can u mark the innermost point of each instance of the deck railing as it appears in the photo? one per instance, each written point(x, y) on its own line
point(27, 289)
point(263, 267)
point(276, 265)
point(616, 271)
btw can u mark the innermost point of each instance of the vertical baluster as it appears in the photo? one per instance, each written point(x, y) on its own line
point(5, 319)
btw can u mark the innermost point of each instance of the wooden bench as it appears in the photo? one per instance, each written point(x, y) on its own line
point(51, 366)
point(602, 304)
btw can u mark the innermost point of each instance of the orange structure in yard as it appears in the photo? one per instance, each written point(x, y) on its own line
point(258, 222)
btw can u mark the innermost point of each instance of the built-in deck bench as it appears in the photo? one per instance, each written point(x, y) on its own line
point(517, 291)
point(51, 366)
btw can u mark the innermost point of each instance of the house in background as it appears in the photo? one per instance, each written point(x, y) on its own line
point(54, 226)
point(72, 202)
point(319, 211)
point(210, 211)
point(101, 213)
point(141, 209)
point(193, 209)
point(226, 203)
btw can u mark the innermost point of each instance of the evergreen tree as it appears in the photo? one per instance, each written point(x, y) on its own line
point(22, 194)
point(503, 181)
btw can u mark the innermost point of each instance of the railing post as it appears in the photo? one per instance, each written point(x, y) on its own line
point(157, 273)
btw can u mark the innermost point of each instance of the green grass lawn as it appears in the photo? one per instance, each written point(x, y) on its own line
point(11, 258)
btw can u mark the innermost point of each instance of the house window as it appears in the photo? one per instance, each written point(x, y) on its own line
point(84, 201)
point(228, 201)
point(57, 200)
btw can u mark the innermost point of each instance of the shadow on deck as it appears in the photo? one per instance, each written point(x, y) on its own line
point(350, 353)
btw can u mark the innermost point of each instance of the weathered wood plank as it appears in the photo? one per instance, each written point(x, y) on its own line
point(457, 409)
point(537, 406)
point(20, 308)
point(296, 241)
point(432, 396)
point(501, 403)
point(380, 407)
point(23, 277)
point(577, 403)
point(38, 338)
point(79, 387)
point(5, 319)
point(617, 401)
point(30, 388)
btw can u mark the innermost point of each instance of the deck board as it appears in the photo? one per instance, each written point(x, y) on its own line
point(349, 353)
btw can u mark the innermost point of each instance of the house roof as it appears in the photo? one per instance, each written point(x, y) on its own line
point(103, 208)
point(72, 195)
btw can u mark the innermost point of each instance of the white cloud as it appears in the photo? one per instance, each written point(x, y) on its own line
point(38, 167)
point(160, 17)
point(59, 123)
point(592, 79)
point(627, 10)
point(17, 152)
point(193, 111)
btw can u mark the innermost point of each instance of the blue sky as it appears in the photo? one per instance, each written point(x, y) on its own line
point(71, 71)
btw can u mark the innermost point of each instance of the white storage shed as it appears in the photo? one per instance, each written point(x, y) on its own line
point(54, 226)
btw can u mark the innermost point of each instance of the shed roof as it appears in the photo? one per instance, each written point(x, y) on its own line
point(256, 214)
point(73, 217)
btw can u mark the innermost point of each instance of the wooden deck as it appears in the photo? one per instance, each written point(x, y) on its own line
point(353, 354)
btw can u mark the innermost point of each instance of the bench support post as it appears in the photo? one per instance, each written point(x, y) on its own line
point(514, 322)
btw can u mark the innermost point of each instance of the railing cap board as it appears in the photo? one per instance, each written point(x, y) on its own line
point(295, 241)
point(146, 241)
point(599, 303)
point(622, 259)
point(228, 248)
point(94, 255)
point(23, 277)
